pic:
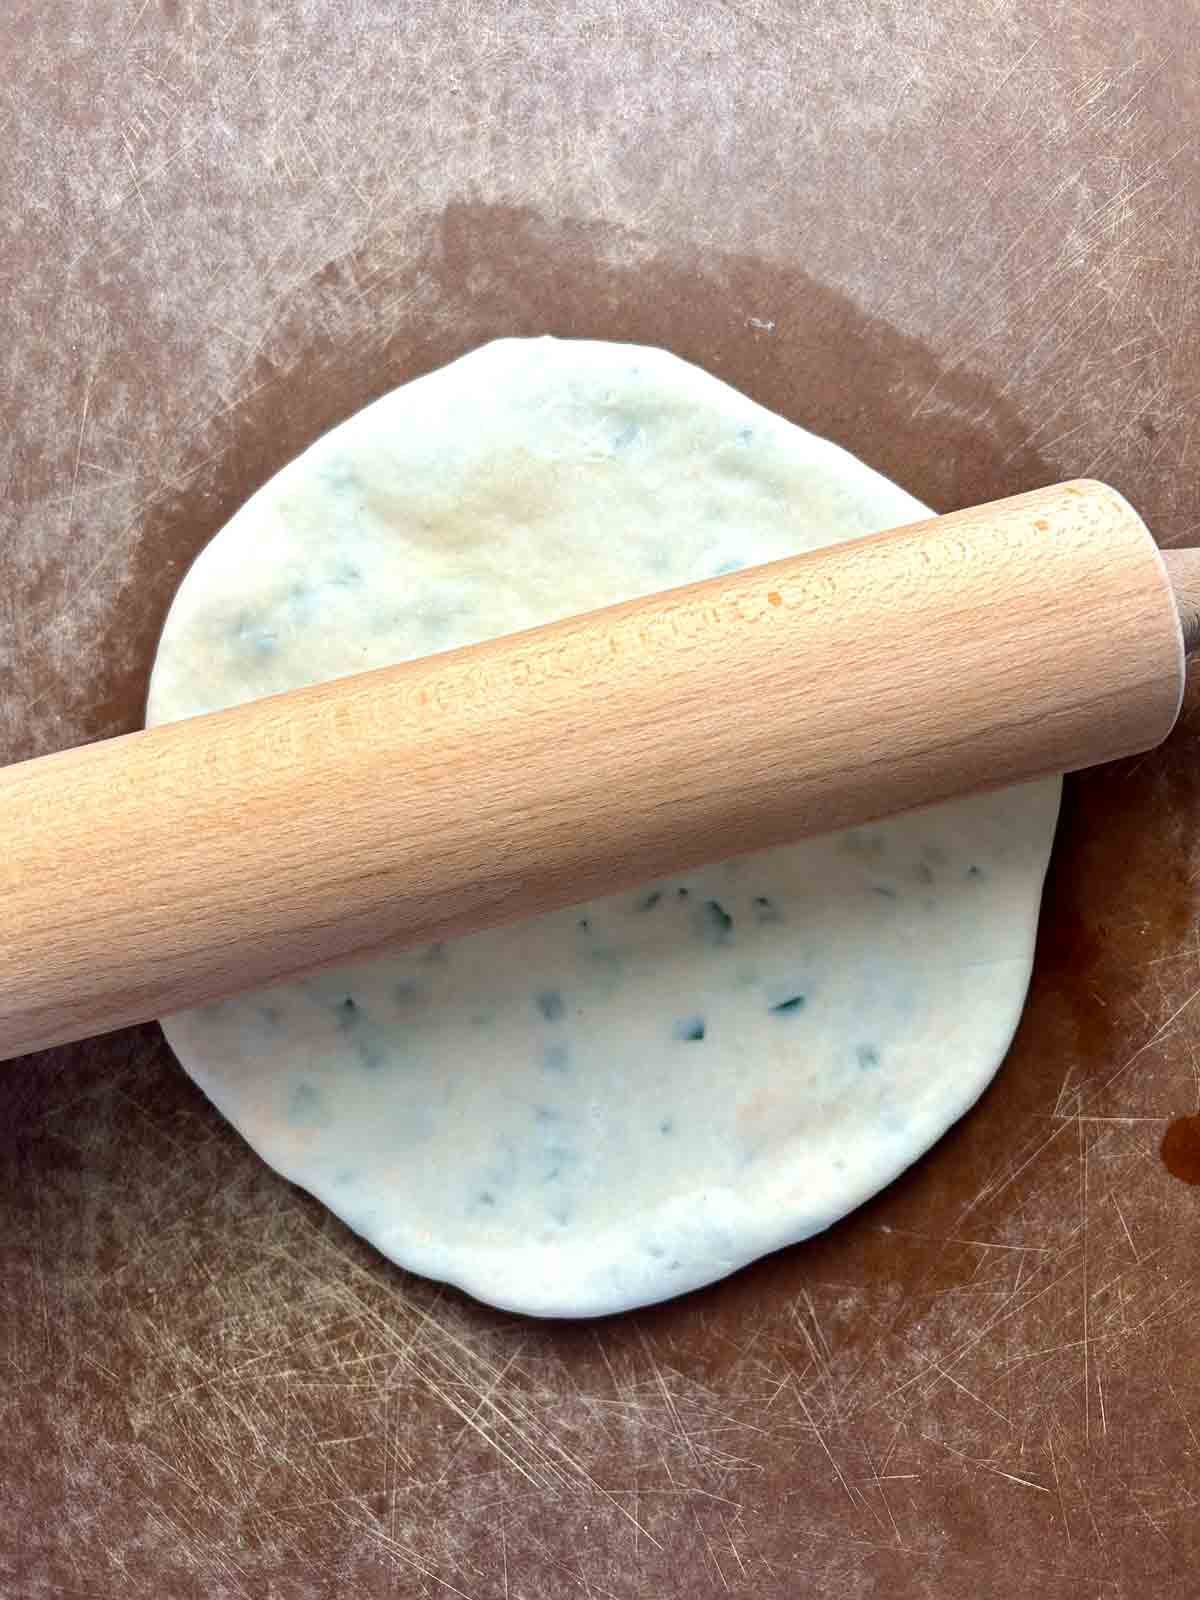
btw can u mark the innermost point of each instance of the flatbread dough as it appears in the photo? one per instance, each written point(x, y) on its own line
point(608, 1105)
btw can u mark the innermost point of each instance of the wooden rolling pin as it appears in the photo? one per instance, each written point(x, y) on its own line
point(155, 871)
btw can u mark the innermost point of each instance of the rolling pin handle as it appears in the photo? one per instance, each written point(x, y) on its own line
point(1183, 569)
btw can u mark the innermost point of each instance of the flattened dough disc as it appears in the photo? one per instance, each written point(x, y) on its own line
point(602, 1107)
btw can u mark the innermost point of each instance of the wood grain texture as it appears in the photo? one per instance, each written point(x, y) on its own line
point(963, 233)
point(478, 786)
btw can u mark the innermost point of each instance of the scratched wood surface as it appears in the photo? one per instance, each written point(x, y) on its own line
point(961, 239)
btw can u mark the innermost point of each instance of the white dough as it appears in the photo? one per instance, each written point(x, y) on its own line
point(608, 1105)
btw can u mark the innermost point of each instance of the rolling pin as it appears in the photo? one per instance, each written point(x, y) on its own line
point(166, 868)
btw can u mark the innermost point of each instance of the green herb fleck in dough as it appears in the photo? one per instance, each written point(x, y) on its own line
point(716, 925)
point(556, 1058)
point(794, 1003)
point(550, 1004)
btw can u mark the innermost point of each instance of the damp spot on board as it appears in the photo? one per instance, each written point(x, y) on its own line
point(667, 1126)
point(556, 1058)
point(714, 923)
point(765, 910)
point(408, 993)
point(867, 1057)
point(551, 1005)
point(726, 568)
point(744, 436)
point(683, 892)
point(788, 1007)
point(349, 1012)
point(923, 872)
point(346, 575)
point(584, 925)
point(689, 1030)
point(344, 1177)
point(975, 872)
point(885, 891)
point(627, 437)
point(647, 902)
point(1180, 1149)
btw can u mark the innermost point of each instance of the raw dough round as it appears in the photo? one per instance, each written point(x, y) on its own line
point(611, 1104)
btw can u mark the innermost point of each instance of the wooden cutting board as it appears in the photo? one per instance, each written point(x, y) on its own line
point(962, 244)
